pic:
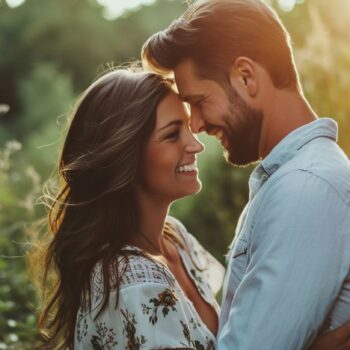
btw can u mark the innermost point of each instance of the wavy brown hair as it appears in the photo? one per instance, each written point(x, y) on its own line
point(94, 212)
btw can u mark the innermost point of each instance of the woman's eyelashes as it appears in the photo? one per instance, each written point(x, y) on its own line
point(174, 135)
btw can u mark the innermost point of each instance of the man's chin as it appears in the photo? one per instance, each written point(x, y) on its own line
point(239, 161)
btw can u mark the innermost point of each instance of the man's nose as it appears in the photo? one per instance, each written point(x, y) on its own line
point(196, 121)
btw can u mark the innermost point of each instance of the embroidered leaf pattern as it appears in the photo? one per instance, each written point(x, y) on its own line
point(166, 300)
point(210, 345)
point(158, 319)
point(196, 276)
point(195, 323)
point(105, 337)
point(134, 342)
point(82, 327)
point(186, 332)
point(195, 343)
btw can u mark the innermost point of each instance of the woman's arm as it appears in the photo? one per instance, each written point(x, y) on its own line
point(338, 339)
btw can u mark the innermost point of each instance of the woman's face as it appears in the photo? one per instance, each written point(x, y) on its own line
point(170, 169)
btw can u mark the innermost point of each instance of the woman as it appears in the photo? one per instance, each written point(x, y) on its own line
point(128, 275)
point(119, 272)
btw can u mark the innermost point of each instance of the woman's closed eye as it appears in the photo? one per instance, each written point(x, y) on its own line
point(173, 136)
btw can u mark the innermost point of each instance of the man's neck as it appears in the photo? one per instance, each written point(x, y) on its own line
point(284, 112)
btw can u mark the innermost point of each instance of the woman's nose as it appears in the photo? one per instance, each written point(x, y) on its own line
point(194, 145)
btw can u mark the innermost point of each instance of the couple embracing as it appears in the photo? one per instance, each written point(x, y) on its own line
point(129, 276)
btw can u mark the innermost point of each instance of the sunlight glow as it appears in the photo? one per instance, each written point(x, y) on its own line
point(14, 3)
point(4, 108)
point(116, 8)
point(286, 5)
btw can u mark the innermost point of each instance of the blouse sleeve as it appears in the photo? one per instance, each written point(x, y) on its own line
point(212, 270)
point(148, 316)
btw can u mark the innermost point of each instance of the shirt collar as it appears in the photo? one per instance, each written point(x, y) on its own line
point(294, 141)
point(286, 149)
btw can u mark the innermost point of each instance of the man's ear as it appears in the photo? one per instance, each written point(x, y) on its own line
point(243, 76)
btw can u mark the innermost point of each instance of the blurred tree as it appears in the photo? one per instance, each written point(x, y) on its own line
point(325, 63)
point(46, 96)
point(321, 49)
point(20, 186)
point(75, 37)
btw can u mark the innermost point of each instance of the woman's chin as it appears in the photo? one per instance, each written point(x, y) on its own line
point(194, 189)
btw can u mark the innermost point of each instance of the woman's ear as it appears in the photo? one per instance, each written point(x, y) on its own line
point(243, 76)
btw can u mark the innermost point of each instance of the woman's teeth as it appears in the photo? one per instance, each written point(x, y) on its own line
point(186, 168)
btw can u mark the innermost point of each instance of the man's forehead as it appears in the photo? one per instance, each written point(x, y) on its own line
point(185, 71)
point(186, 79)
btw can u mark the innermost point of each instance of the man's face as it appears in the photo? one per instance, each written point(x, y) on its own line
point(220, 113)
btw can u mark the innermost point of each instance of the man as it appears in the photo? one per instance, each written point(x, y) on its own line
point(288, 267)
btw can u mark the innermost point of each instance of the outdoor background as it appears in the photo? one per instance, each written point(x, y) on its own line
point(50, 50)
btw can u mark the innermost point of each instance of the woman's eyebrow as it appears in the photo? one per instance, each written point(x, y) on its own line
point(173, 122)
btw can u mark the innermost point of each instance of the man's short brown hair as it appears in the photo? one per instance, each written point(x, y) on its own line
point(213, 33)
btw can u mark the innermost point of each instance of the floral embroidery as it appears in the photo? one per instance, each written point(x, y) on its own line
point(210, 345)
point(186, 332)
point(167, 299)
point(105, 338)
point(197, 277)
point(134, 342)
point(134, 323)
point(81, 328)
point(195, 323)
point(195, 343)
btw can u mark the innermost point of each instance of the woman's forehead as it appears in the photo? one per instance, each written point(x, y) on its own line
point(169, 109)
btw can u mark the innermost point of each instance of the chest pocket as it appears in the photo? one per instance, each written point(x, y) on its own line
point(239, 259)
point(240, 247)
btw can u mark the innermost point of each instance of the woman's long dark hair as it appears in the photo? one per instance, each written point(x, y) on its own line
point(94, 211)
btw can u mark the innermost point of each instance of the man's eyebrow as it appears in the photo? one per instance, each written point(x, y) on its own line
point(173, 122)
point(189, 98)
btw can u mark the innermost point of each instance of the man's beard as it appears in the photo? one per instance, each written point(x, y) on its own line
point(243, 131)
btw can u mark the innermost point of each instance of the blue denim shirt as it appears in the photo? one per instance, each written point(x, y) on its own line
point(289, 264)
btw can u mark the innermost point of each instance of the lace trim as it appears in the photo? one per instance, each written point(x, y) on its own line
point(134, 270)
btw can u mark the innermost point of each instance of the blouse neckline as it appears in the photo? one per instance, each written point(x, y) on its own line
point(182, 251)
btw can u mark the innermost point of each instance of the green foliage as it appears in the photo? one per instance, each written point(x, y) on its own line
point(51, 50)
point(326, 78)
point(20, 186)
point(43, 94)
point(321, 39)
point(46, 96)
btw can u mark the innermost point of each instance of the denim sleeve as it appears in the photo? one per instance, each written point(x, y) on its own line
point(299, 257)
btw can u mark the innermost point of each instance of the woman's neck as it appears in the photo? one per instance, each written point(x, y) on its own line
point(152, 219)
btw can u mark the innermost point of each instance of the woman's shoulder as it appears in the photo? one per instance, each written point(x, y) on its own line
point(140, 269)
point(131, 269)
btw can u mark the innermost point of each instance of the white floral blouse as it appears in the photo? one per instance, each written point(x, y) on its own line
point(153, 312)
